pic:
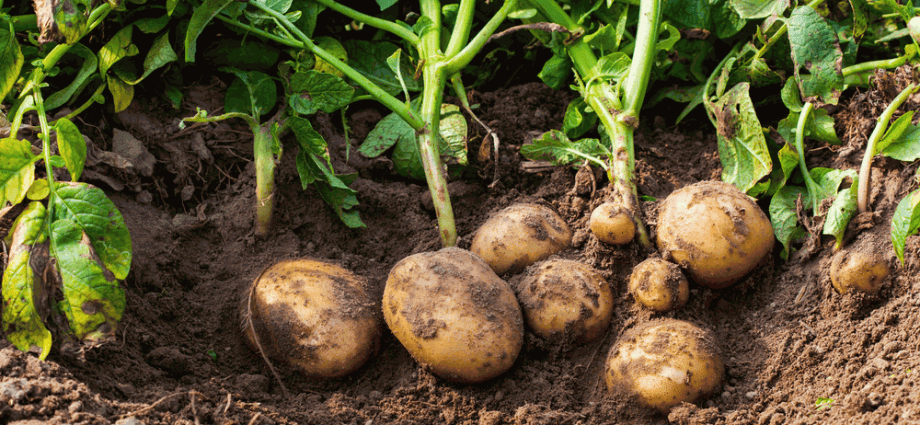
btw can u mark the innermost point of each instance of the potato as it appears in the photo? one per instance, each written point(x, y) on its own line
point(519, 236)
point(863, 271)
point(714, 231)
point(659, 285)
point(664, 363)
point(612, 224)
point(564, 300)
point(315, 316)
point(454, 315)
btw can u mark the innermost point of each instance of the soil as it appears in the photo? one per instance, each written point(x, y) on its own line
point(794, 350)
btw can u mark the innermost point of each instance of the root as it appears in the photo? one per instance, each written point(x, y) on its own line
point(248, 325)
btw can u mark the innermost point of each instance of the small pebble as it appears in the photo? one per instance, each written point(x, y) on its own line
point(751, 395)
point(726, 394)
point(499, 396)
point(131, 420)
point(75, 407)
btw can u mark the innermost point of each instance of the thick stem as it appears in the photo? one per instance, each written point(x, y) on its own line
point(865, 171)
point(879, 64)
point(265, 176)
point(800, 147)
point(434, 79)
point(643, 58)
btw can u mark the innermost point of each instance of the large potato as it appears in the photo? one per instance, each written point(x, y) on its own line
point(713, 230)
point(519, 236)
point(315, 316)
point(454, 315)
point(862, 271)
point(565, 300)
point(659, 285)
point(664, 363)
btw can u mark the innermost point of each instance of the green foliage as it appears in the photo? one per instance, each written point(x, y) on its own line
point(815, 48)
point(906, 222)
point(742, 145)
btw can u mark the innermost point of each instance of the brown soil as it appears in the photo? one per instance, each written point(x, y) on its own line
point(180, 357)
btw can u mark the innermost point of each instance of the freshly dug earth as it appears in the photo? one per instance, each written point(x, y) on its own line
point(180, 357)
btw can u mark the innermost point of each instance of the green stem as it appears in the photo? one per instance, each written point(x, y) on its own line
point(265, 176)
point(456, 62)
point(643, 57)
point(87, 104)
point(383, 24)
point(264, 34)
point(46, 146)
point(462, 27)
point(383, 97)
point(800, 147)
point(879, 64)
point(24, 23)
point(865, 171)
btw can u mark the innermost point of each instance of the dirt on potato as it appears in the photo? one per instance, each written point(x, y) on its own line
point(794, 350)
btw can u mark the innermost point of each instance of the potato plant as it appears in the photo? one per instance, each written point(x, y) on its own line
point(58, 234)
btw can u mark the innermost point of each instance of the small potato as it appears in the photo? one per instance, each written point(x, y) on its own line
point(315, 316)
point(565, 300)
point(714, 231)
point(659, 285)
point(454, 315)
point(664, 363)
point(612, 224)
point(519, 236)
point(860, 271)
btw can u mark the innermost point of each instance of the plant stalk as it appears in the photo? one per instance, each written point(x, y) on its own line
point(865, 170)
point(800, 147)
point(383, 24)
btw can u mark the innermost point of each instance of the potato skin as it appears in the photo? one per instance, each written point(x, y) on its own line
point(612, 224)
point(713, 230)
point(454, 315)
point(659, 285)
point(664, 363)
point(519, 236)
point(315, 316)
point(859, 271)
point(564, 300)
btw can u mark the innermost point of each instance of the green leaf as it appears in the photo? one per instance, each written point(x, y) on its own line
point(784, 219)
point(905, 222)
point(72, 147)
point(310, 12)
point(388, 132)
point(895, 132)
point(333, 47)
point(667, 43)
point(905, 148)
point(87, 70)
point(759, 9)
point(152, 25)
point(257, 17)
point(122, 93)
point(614, 66)
point(860, 21)
point(171, 6)
point(93, 301)
point(11, 58)
point(555, 147)
point(577, 121)
point(604, 39)
point(39, 190)
point(788, 160)
point(689, 13)
point(815, 47)
point(22, 289)
point(315, 91)
point(819, 126)
point(830, 181)
point(453, 130)
point(742, 146)
point(160, 54)
point(95, 216)
point(119, 47)
point(253, 93)
point(70, 21)
point(385, 4)
point(791, 97)
point(394, 62)
point(840, 213)
point(556, 71)
point(725, 20)
point(17, 170)
point(523, 13)
point(370, 59)
point(200, 19)
point(407, 160)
